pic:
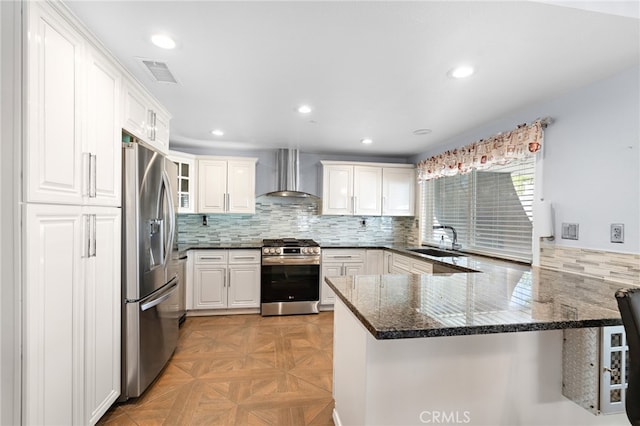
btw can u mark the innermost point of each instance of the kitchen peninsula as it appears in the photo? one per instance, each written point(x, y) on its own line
point(467, 348)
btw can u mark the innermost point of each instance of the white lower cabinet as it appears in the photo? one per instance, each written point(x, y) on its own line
point(71, 334)
point(409, 265)
point(387, 262)
point(374, 263)
point(595, 368)
point(225, 279)
point(339, 262)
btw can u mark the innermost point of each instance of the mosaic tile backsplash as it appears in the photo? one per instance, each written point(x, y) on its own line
point(619, 267)
point(296, 218)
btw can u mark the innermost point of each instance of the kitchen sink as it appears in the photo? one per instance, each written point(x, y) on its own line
point(436, 252)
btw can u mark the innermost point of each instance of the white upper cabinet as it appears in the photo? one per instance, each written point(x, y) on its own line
point(186, 185)
point(212, 186)
point(226, 185)
point(241, 186)
point(367, 190)
point(72, 150)
point(398, 191)
point(364, 189)
point(337, 189)
point(54, 150)
point(103, 130)
point(135, 111)
point(144, 118)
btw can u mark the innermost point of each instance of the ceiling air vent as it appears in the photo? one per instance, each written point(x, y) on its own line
point(159, 71)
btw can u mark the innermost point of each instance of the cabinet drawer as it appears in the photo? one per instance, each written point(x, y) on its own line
point(421, 267)
point(210, 257)
point(402, 262)
point(244, 256)
point(343, 255)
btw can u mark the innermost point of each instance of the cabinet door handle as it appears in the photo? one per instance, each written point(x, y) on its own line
point(244, 258)
point(94, 231)
point(229, 275)
point(151, 126)
point(211, 258)
point(90, 232)
point(341, 256)
point(87, 233)
point(384, 204)
point(149, 123)
point(228, 202)
point(86, 159)
point(93, 161)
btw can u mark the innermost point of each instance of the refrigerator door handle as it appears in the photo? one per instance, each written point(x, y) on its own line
point(155, 301)
point(167, 195)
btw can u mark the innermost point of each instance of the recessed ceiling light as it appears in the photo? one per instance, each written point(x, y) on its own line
point(217, 132)
point(163, 41)
point(462, 71)
point(366, 141)
point(304, 109)
point(419, 132)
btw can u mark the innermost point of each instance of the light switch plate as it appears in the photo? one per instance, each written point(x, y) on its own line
point(570, 231)
point(617, 233)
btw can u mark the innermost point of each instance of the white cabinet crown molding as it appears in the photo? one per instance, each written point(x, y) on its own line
point(364, 163)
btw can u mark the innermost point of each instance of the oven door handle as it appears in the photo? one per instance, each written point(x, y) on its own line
point(290, 260)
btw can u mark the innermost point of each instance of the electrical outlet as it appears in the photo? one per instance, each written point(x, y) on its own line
point(617, 233)
point(570, 231)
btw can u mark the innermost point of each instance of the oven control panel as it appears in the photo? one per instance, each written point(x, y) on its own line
point(290, 251)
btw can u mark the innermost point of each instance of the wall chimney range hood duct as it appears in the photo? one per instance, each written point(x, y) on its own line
point(288, 175)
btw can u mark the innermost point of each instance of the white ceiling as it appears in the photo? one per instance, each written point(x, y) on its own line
point(369, 69)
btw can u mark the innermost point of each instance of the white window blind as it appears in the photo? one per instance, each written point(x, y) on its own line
point(491, 210)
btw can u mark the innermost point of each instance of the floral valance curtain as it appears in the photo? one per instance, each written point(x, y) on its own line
point(500, 149)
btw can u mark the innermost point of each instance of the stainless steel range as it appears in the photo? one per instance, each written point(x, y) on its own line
point(290, 277)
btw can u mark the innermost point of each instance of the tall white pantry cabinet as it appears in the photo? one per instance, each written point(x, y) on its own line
point(71, 223)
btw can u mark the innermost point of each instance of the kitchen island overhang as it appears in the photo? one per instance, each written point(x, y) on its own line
point(420, 349)
point(514, 300)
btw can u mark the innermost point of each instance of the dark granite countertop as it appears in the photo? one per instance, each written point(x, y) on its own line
point(219, 245)
point(504, 297)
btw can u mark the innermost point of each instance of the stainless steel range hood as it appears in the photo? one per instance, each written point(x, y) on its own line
point(288, 175)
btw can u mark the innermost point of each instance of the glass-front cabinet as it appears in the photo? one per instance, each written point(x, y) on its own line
point(186, 181)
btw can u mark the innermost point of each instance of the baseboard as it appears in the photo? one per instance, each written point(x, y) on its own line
point(210, 312)
point(336, 418)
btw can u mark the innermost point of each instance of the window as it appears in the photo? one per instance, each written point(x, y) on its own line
point(491, 210)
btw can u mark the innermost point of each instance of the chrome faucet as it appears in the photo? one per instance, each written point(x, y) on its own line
point(454, 242)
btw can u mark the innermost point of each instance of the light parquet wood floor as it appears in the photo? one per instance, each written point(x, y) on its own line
point(241, 370)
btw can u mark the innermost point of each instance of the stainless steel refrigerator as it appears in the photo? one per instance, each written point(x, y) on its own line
point(150, 289)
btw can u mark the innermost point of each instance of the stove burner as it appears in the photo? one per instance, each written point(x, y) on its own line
point(289, 242)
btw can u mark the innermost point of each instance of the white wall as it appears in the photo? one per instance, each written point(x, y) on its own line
point(591, 160)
